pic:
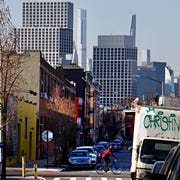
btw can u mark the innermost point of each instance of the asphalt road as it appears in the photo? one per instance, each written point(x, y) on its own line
point(77, 175)
point(65, 174)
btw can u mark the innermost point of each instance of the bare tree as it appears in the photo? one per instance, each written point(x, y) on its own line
point(10, 70)
point(7, 42)
point(111, 124)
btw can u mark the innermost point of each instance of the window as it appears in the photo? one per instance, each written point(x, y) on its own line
point(25, 129)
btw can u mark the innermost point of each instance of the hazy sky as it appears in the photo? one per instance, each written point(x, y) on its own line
point(157, 24)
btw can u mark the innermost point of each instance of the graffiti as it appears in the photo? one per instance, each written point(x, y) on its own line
point(161, 121)
point(150, 109)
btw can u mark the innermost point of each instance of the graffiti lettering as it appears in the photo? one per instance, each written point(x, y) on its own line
point(162, 122)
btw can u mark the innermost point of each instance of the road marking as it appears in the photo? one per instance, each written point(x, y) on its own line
point(73, 178)
point(104, 178)
point(32, 177)
point(88, 178)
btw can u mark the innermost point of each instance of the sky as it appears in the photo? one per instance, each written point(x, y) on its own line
point(157, 24)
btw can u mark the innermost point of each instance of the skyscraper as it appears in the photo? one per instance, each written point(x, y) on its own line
point(133, 29)
point(114, 67)
point(47, 26)
point(146, 56)
point(81, 38)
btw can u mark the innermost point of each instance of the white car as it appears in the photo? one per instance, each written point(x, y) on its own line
point(79, 159)
point(91, 151)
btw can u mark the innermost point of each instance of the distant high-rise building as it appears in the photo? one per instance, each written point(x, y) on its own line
point(75, 56)
point(146, 56)
point(47, 26)
point(114, 67)
point(177, 86)
point(81, 38)
point(133, 29)
point(151, 80)
point(90, 65)
point(169, 82)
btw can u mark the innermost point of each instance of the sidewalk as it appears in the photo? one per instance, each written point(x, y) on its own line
point(41, 164)
point(16, 170)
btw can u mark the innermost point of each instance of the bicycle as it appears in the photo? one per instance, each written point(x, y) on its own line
point(114, 167)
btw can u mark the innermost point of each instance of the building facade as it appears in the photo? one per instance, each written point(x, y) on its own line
point(21, 134)
point(47, 26)
point(75, 73)
point(51, 109)
point(26, 130)
point(114, 66)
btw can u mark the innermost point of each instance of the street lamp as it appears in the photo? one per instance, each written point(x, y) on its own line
point(152, 79)
point(160, 100)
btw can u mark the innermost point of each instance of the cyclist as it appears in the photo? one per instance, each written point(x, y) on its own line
point(106, 157)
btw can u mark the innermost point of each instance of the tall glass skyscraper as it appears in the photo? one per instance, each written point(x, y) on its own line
point(47, 26)
point(82, 38)
point(114, 67)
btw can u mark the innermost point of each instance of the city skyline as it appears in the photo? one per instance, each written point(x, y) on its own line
point(157, 25)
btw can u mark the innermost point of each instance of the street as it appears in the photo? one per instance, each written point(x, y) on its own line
point(79, 174)
point(76, 175)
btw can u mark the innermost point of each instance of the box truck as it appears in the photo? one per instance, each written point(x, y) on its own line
point(156, 131)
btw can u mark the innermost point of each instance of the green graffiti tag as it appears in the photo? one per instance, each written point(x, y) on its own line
point(150, 109)
point(162, 122)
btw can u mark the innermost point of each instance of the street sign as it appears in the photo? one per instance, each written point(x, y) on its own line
point(47, 136)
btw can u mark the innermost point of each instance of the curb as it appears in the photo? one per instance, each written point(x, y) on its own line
point(32, 177)
point(32, 170)
point(49, 170)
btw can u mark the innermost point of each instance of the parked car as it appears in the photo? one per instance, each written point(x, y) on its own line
point(99, 149)
point(157, 167)
point(116, 145)
point(91, 151)
point(79, 159)
point(120, 141)
point(169, 170)
point(104, 143)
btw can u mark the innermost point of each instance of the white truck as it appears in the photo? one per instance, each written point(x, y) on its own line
point(156, 131)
